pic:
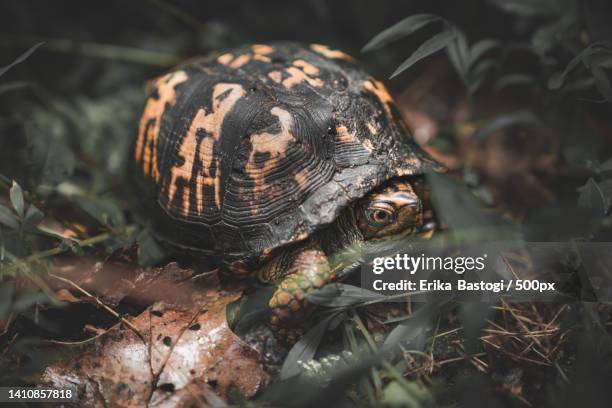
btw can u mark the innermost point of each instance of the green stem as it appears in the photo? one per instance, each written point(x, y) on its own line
point(364, 331)
point(374, 301)
point(371, 391)
point(91, 49)
point(127, 230)
point(389, 369)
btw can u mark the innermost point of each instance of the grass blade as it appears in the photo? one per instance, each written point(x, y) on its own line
point(20, 58)
point(399, 30)
point(521, 117)
point(339, 294)
point(434, 44)
point(17, 198)
point(306, 347)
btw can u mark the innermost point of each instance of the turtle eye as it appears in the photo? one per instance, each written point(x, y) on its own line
point(380, 215)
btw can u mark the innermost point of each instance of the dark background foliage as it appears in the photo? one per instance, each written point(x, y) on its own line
point(516, 100)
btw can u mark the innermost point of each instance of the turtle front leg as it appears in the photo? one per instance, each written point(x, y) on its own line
point(309, 270)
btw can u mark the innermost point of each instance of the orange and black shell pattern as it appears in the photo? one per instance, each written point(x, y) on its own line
point(249, 150)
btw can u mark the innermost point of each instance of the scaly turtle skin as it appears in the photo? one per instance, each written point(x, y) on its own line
point(270, 157)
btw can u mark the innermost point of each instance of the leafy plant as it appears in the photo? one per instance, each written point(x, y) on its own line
point(408, 26)
point(525, 69)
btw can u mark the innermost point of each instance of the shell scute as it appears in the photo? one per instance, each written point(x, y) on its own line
point(258, 147)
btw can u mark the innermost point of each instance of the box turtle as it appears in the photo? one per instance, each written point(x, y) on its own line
point(270, 157)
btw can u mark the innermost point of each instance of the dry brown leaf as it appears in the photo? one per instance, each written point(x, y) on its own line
point(180, 355)
point(65, 296)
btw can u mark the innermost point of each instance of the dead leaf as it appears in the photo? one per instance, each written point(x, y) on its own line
point(65, 296)
point(180, 355)
point(96, 331)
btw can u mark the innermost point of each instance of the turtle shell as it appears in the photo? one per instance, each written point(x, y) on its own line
point(245, 151)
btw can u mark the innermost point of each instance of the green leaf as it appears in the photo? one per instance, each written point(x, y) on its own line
point(512, 80)
point(473, 316)
point(307, 346)
point(412, 332)
point(458, 53)
point(8, 218)
point(399, 30)
point(480, 48)
point(253, 309)
point(14, 85)
point(522, 117)
point(408, 395)
point(106, 211)
point(475, 84)
point(17, 198)
point(465, 60)
point(548, 35)
point(149, 252)
point(459, 209)
point(606, 189)
point(582, 155)
point(301, 391)
point(33, 217)
point(584, 56)
point(528, 8)
point(606, 166)
point(478, 74)
point(20, 58)
point(430, 46)
point(340, 294)
point(481, 68)
point(58, 161)
point(592, 198)
point(6, 299)
point(602, 83)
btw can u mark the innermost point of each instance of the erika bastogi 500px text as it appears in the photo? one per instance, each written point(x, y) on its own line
point(467, 271)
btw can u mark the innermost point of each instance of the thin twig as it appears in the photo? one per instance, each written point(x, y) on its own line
point(102, 304)
point(62, 248)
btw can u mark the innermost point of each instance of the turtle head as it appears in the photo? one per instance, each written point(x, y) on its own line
point(394, 209)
